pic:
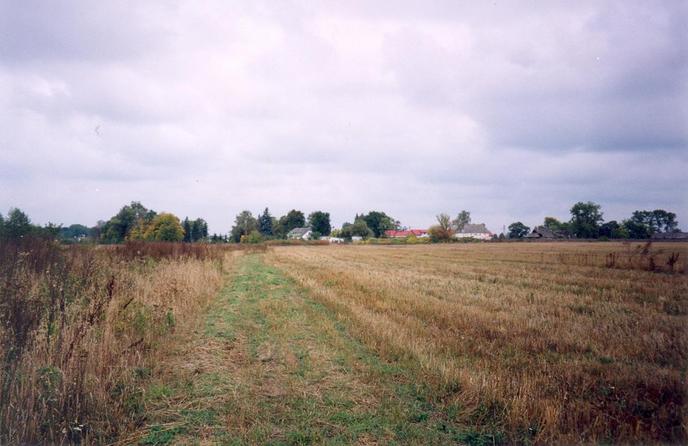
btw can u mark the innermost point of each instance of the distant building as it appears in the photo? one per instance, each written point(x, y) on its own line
point(478, 231)
point(299, 233)
point(407, 233)
point(670, 236)
point(335, 240)
point(543, 232)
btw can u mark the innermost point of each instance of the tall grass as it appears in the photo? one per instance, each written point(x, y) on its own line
point(530, 343)
point(81, 328)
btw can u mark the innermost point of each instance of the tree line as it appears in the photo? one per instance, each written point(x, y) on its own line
point(265, 226)
point(136, 222)
point(587, 222)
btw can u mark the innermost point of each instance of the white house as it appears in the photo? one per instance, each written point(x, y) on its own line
point(477, 231)
point(299, 233)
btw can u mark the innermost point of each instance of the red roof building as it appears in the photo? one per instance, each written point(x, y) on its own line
point(406, 233)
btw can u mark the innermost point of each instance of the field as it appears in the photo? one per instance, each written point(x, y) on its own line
point(433, 344)
point(523, 342)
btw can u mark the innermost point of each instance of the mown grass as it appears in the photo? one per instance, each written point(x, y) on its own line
point(522, 343)
point(273, 366)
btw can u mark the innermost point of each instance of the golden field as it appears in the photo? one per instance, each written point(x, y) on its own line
point(539, 342)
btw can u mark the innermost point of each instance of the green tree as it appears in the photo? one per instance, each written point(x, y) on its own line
point(518, 230)
point(164, 227)
point(118, 227)
point(186, 224)
point(635, 229)
point(378, 222)
point(17, 224)
point(461, 220)
point(612, 229)
point(265, 223)
point(244, 223)
point(586, 219)
point(643, 224)
point(320, 222)
point(199, 230)
point(74, 233)
point(358, 229)
point(253, 237)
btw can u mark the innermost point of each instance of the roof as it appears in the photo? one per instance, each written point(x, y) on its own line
point(406, 233)
point(478, 228)
point(544, 232)
point(670, 235)
point(298, 232)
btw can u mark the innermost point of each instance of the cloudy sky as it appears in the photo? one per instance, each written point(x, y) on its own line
point(512, 110)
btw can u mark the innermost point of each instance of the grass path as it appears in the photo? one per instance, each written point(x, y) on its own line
point(272, 366)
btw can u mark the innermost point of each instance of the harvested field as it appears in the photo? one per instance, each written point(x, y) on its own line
point(541, 342)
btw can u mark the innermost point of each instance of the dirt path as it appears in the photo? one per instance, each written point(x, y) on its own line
point(271, 366)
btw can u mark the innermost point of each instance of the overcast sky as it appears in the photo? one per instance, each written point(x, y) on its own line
point(511, 110)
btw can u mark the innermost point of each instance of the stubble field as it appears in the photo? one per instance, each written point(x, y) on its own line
point(558, 342)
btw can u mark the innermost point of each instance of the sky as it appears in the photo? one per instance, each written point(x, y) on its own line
point(511, 110)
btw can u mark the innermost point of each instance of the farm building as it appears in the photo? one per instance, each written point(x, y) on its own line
point(478, 231)
point(543, 232)
point(406, 233)
point(299, 233)
point(670, 236)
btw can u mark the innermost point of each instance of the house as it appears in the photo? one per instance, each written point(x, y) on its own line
point(299, 233)
point(670, 236)
point(477, 231)
point(421, 233)
point(542, 232)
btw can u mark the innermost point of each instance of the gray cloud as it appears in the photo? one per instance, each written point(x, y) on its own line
point(206, 108)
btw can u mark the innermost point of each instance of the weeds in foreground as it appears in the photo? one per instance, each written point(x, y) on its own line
point(80, 328)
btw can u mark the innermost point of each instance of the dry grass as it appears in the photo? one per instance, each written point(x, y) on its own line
point(81, 330)
point(542, 342)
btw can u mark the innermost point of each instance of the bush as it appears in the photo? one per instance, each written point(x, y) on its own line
point(438, 234)
point(253, 237)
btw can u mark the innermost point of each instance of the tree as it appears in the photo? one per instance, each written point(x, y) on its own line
point(74, 233)
point(442, 231)
point(320, 222)
point(461, 220)
point(586, 219)
point(518, 230)
point(118, 227)
point(358, 229)
point(664, 221)
point(218, 238)
point(253, 237)
point(244, 223)
point(186, 224)
point(265, 223)
point(643, 224)
point(199, 230)
point(635, 229)
point(554, 225)
point(612, 229)
point(17, 224)
point(164, 227)
point(378, 222)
